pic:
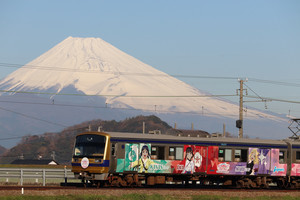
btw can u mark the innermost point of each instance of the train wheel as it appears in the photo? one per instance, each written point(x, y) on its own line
point(85, 183)
point(253, 184)
point(247, 183)
point(100, 184)
point(122, 182)
point(114, 183)
point(264, 185)
point(240, 184)
point(282, 184)
point(129, 180)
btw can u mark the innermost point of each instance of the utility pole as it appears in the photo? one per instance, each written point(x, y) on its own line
point(239, 123)
point(53, 155)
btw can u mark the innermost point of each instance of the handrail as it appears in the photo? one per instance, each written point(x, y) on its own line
point(43, 173)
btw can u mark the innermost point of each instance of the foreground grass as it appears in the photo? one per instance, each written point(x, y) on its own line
point(143, 197)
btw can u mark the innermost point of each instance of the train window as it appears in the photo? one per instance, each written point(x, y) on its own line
point(240, 155)
point(90, 145)
point(225, 155)
point(120, 151)
point(244, 157)
point(228, 155)
point(281, 157)
point(154, 153)
point(221, 155)
point(171, 153)
point(161, 153)
point(175, 153)
point(113, 149)
point(158, 152)
point(237, 155)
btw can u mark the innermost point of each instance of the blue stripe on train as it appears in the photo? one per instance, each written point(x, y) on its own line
point(200, 143)
point(104, 164)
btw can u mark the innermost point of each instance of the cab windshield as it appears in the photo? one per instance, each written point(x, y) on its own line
point(89, 146)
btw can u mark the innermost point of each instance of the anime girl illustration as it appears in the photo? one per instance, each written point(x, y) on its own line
point(189, 167)
point(252, 160)
point(144, 162)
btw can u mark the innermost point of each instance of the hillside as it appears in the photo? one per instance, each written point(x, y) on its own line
point(2, 150)
point(60, 145)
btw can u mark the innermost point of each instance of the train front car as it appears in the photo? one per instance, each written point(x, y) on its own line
point(90, 161)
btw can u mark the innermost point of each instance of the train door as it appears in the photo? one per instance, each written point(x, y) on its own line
point(212, 159)
point(113, 157)
point(200, 159)
point(278, 165)
point(264, 161)
point(158, 153)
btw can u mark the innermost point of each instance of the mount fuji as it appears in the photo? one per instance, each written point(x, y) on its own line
point(87, 78)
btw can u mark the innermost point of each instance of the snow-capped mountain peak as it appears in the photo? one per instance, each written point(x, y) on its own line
point(95, 67)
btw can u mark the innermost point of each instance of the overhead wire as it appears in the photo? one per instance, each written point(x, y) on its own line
point(253, 91)
point(31, 117)
point(200, 112)
point(117, 95)
point(274, 82)
point(274, 99)
point(54, 68)
point(133, 96)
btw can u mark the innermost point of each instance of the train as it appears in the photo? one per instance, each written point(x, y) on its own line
point(118, 159)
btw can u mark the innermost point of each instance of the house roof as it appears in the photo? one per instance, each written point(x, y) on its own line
point(34, 162)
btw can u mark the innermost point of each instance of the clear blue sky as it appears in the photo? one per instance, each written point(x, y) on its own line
point(257, 39)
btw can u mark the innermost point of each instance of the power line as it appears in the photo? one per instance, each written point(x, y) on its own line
point(54, 68)
point(105, 107)
point(31, 117)
point(274, 82)
point(143, 74)
point(118, 95)
point(253, 91)
point(51, 68)
point(200, 112)
point(149, 96)
point(274, 99)
point(134, 96)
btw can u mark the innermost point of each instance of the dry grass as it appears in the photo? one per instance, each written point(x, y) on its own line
point(175, 194)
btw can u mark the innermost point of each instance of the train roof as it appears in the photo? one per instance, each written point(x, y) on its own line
point(201, 141)
point(220, 141)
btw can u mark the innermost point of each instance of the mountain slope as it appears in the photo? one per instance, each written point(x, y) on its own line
point(82, 79)
point(93, 67)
